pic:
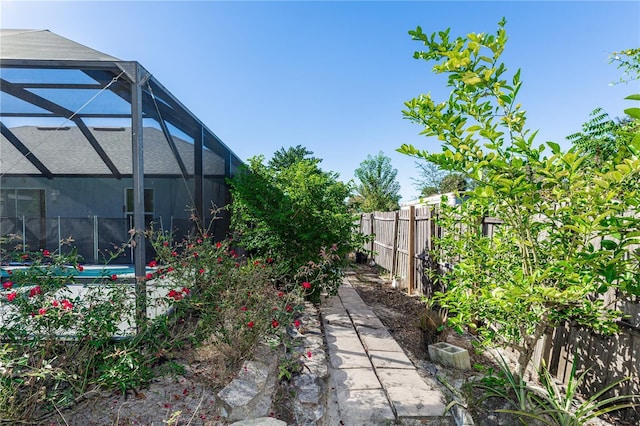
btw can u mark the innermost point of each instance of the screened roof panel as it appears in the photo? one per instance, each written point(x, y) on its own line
point(12, 105)
point(46, 76)
point(13, 162)
point(85, 101)
point(48, 82)
point(62, 150)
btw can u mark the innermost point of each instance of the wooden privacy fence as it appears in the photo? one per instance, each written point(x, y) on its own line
point(402, 243)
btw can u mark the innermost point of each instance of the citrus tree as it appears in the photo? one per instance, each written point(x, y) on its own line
point(567, 230)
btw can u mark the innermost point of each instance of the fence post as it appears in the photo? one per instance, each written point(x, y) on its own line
point(394, 250)
point(371, 229)
point(411, 249)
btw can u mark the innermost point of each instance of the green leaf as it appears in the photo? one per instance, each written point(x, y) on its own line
point(633, 112)
point(634, 97)
point(609, 244)
point(555, 148)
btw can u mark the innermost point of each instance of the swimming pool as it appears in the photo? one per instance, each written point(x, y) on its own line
point(88, 271)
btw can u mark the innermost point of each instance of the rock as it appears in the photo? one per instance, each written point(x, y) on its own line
point(250, 394)
point(261, 421)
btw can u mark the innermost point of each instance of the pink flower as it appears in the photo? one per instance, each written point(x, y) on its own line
point(250, 324)
point(7, 285)
point(306, 285)
point(275, 323)
point(297, 323)
point(12, 296)
point(35, 290)
point(42, 311)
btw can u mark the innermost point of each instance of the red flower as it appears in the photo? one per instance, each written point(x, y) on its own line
point(195, 254)
point(174, 253)
point(46, 253)
point(218, 244)
point(35, 290)
point(308, 354)
point(114, 277)
point(24, 256)
point(42, 311)
point(170, 269)
point(269, 259)
point(205, 235)
point(166, 244)
point(175, 295)
point(7, 285)
point(201, 271)
point(153, 264)
point(297, 323)
point(186, 290)
point(237, 265)
point(250, 324)
point(66, 305)
point(280, 294)
point(219, 260)
point(275, 323)
point(80, 268)
point(256, 263)
point(243, 309)
point(55, 303)
point(12, 296)
point(306, 285)
point(149, 276)
point(288, 308)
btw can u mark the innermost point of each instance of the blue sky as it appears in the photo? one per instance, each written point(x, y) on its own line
point(334, 76)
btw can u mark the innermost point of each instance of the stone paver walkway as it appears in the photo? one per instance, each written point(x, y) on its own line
point(372, 381)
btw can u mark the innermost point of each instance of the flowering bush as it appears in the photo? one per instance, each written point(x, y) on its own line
point(62, 339)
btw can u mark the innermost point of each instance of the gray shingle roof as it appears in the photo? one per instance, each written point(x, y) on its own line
point(45, 45)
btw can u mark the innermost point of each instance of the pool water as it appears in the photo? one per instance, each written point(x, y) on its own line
point(88, 272)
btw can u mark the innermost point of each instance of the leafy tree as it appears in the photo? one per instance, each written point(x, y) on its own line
point(430, 176)
point(602, 138)
point(285, 158)
point(542, 267)
point(378, 188)
point(453, 182)
point(293, 215)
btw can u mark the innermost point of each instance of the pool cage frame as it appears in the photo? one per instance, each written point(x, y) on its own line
point(26, 51)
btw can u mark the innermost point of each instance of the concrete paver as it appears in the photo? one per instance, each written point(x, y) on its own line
point(373, 382)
